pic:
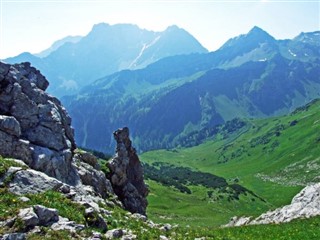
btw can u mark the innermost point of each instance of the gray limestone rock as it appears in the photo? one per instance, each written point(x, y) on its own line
point(13, 147)
point(65, 189)
point(93, 177)
point(31, 181)
point(138, 216)
point(128, 235)
point(24, 199)
point(114, 234)
point(10, 125)
point(166, 227)
point(46, 216)
point(304, 205)
point(95, 236)
point(127, 174)
point(34, 124)
point(56, 164)
point(162, 237)
point(8, 222)
point(66, 224)
point(28, 217)
point(25, 70)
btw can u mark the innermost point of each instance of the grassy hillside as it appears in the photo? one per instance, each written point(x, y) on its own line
point(295, 230)
point(274, 158)
point(11, 203)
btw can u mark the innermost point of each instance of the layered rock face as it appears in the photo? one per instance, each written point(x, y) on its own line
point(126, 174)
point(34, 127)
point(305, 204)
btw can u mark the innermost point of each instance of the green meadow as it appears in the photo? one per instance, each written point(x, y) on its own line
point(274, 158)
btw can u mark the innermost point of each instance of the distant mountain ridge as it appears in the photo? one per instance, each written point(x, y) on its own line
point(57, 44)
point(105, 50)
point(252, 75)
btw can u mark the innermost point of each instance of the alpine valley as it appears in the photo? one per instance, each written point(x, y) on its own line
point(178, 101)
point(228, 140)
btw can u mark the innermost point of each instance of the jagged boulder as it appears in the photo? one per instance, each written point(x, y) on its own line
point(46, 216)
point(28, 217)
point(305, 204)
point(127, 175)
point(34, 127)
point(30, 181)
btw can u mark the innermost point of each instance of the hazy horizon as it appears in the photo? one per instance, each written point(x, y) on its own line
point(33, 26)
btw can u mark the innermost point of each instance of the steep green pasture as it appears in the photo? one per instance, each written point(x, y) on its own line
point(295, 230)
point(169, 205)
point(273, 157)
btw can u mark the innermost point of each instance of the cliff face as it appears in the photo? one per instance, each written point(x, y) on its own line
point(34, 127)
point(127, 175)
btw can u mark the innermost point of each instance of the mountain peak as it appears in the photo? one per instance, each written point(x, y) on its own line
point(252, 39)
point(183, 41)
point(309, 37)
point(256, 29)
point(173, 27)
point(103, 26)
point(99, 26)
point(259, 33)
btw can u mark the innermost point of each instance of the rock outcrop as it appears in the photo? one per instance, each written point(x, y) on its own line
point(88, 169)
point(305, 204)
point(36, 133)
point(34, 127)
point(30, 181)
point(126, 174)
point(39, 215)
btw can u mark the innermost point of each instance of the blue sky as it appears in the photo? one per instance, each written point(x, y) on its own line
point(34, 25)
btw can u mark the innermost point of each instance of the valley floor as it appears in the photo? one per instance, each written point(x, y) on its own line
point(273, 159)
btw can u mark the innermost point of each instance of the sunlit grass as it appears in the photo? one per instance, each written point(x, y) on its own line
point(274, 158)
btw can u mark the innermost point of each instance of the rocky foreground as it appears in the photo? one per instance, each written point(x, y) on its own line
point(36, 134)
